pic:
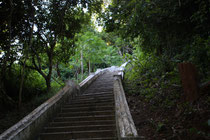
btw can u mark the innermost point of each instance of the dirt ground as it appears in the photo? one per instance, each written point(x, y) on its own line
point(170, 124)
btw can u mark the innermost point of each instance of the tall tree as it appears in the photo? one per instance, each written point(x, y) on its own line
point(56, 21)
point(165, 26)
point(16, 35)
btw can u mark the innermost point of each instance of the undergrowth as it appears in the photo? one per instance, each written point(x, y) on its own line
point(157, 81)
point(155, 84)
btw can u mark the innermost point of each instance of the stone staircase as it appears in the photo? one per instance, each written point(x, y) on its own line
point(89, 116)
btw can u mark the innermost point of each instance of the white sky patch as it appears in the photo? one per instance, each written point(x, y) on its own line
point(35, 28)
point(19, 54)
point(2, 54)
point(94, 20)
point(85, 10)
point(106, 4)
point(100, 28)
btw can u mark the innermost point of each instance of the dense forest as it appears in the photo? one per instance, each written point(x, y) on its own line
point(44, 43)
point(160, 36)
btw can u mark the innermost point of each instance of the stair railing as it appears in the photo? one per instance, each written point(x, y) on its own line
point(125, 125)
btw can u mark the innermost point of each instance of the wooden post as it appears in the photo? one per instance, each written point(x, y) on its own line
point(188, 75)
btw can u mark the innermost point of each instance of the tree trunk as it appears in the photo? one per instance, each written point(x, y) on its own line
point(77, 75)
point(93, 67)
point(21, 85)
point(89, 67)
point(189, 80)
point(7, 52)
point(48, 83)
point(24, 65)
point(159, 51)
point(58, 70)
point(180, 4)
point(48, 79)
point(81, 65)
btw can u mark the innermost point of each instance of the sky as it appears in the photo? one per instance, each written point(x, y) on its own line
point(94, 16)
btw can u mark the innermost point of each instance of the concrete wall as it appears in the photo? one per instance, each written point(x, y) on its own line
point(30, 126)
point(125, 126)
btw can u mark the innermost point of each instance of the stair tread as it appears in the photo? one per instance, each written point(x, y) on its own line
point(86, 107)
point(89, 116)
point(81, 105)
point(98, 93)
point(108, 138)
point(78, 132)
point(80, 126)
point(86, 121)
point(83, 112)
point(87, 113)
point(91, 101)
point(94, 98)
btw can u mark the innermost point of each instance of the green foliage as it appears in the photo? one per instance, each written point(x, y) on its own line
point(96, 50)
point(159, 35)
point(33, 85)
point(38, 100)
point(165, 26)
point(199, 54)
point(38, 36)
point(92, 46)
point(152, 78)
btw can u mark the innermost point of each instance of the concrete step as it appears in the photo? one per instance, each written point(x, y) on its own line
point(101, 96)
point(77, 134)
point(108, 77)
point(81, 123)
point(102, 85)
point(79, 128)
point(96, 91)
point(91, 101)
point(87, 104)
point(100, 89)
point(87, 118)
point(103, 92)
point(111, 138)
point(86, 113)
point(106, 93)
point(88, 108)
point(94, 98)
point(106, 102)
point(91, 95)
point(81, 104)
point(104, 82)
